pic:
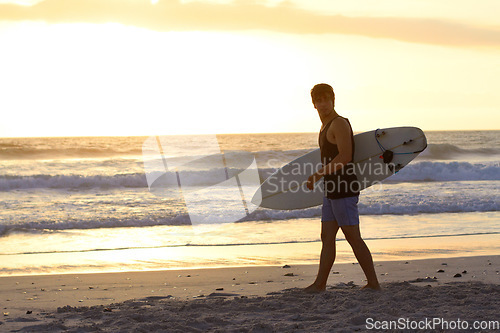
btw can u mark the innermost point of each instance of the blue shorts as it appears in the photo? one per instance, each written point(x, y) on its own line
point(344, 210)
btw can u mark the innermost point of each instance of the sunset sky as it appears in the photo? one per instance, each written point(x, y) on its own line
point(136, 67)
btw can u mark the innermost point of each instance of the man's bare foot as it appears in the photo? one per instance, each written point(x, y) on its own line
point(313, 289)
point(372, 286)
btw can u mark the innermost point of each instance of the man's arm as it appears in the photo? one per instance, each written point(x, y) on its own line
point(341, 130)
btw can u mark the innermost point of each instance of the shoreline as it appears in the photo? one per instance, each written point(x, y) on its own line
point(73, 294)
point(212, 257)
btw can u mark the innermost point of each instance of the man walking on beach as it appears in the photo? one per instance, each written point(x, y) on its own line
point(341, 187)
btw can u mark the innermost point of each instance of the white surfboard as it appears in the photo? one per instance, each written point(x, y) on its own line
point(286, 188)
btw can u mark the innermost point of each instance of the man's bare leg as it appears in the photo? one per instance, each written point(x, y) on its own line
point(363, 255)
point(327, 257)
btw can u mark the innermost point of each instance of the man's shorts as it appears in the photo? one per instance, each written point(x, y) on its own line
point(344, 210)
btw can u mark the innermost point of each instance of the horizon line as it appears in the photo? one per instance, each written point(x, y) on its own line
point(192, 134)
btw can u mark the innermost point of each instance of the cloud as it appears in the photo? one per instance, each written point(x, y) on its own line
point(172, 15)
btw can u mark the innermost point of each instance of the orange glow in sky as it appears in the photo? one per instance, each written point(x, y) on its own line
point(109, 67)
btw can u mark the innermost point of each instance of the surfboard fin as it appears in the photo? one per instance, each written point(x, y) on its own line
point(408, 142)
point(395, 168)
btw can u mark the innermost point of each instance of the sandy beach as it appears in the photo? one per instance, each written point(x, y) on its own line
point(459, 291)
point(138, 138)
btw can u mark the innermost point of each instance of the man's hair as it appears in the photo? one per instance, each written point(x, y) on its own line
point(322, 89)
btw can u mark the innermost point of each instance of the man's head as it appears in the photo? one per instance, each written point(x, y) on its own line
point(322, 90)
point(323, 97)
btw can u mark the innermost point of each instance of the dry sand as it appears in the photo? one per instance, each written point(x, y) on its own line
point(256, 299)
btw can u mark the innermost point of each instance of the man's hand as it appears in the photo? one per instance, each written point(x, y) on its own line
point(312, 180)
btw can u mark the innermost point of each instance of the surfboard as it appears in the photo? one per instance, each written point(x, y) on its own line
point(378, 154)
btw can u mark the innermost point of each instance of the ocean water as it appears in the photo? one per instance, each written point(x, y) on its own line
point(84, 204)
